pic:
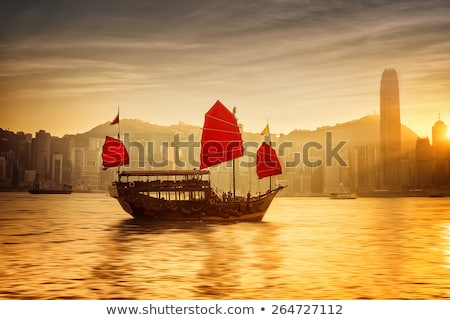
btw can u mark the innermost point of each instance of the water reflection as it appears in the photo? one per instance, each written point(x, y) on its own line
point(446, 237)
point(142, 260)
point(139, 260)
point(85, 247)
point(239, 262)
point(218, 274)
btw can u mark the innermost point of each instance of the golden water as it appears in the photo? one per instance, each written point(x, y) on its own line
point(83, 246)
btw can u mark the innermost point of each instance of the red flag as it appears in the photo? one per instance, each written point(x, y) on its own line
point(114, 153)
point(116, 119)
point(266, 130)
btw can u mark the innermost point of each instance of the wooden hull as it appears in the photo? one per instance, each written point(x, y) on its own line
point(141, 206)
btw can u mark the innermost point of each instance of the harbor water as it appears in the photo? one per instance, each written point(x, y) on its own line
point(84, 246)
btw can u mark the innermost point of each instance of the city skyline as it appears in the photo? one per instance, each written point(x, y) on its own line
point(345, 156)
point(300, 65)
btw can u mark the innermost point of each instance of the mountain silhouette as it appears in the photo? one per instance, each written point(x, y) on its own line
point(360, 132)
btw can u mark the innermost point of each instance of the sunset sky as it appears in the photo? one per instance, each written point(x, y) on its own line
point(65, 66)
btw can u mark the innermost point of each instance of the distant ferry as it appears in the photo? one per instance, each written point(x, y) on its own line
point(40, 187)
point(343, 196)
point(65, 189)
point(342, 193)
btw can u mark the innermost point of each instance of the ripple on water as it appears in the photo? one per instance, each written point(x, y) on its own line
point(85, 247)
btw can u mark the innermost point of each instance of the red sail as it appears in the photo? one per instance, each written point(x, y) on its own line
point(221, 138)
point(114, 153)
point(267, 163)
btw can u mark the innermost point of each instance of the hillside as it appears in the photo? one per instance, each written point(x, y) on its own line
point(360, 132)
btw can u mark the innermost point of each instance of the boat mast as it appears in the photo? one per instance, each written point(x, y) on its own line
point(270, 145)
point(270, 183)
point(234, 180)
point(221, 127)
point(118, 138)
point(270, 178)
point(234, 164)
point(267, 163)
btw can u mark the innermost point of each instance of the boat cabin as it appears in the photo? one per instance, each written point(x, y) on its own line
point(172, 185)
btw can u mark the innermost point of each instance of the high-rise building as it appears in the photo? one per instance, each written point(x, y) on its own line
point(424, 163)
point(439, 135)
point(363, 168)
point(57, 168)
point(41, 153)
point(390, 144)
point(441, 153)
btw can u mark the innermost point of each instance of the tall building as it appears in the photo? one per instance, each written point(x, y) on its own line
point(2, 169)
point(439, 135)
point(363, 168)
point(41, 153)
point(57, 168)
point(424, 163)
point(86, 165)
point(441, 153)
point(390, 144)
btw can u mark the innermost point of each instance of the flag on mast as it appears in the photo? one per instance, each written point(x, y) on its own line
point(266, 130)
point(116, 119)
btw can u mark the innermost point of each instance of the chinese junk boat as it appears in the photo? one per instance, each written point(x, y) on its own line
point(188, 195)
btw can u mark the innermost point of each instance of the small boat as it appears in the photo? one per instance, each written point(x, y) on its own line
point(65, 189)
point(40, 187)
point(344, 195)
point(436, 194)
point(189, 195)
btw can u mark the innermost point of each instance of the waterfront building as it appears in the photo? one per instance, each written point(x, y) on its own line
point(441, 154)
point(390, 135)
point(41, 153)
point(424, 163)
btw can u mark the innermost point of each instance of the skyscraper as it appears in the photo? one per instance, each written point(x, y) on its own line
point(41, 153)
point(441, 154)
point(390, 144)
point(439, 135)
point(424, 163)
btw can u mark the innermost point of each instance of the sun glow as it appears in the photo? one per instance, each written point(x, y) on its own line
point(448, 130)
point(447, 122)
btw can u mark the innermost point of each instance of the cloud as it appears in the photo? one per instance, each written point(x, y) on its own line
point(326, 55)
point(26, 66)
